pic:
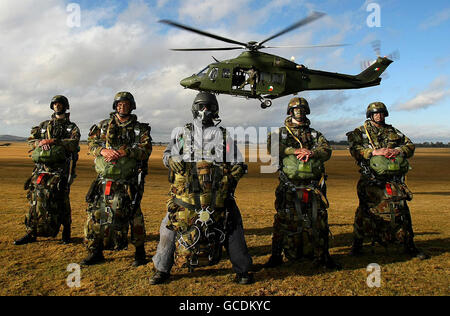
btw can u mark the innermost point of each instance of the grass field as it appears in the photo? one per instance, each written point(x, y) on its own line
point(40, 268)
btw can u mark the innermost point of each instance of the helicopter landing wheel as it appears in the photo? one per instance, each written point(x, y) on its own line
point(266, 104)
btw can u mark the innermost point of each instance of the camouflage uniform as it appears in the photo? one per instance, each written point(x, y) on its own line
point(383, 214)
point(301, 223)
point(48, 187)
point(135, 139)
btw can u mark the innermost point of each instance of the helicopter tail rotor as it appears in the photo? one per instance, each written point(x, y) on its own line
point(376, 46)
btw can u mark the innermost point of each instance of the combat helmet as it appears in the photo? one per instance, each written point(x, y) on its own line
point(61, 99)
point(205, 98)
point(300, 103)
point(124, 96)
point(376, 107)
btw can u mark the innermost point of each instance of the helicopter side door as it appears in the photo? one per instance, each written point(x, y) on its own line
point(271, 83)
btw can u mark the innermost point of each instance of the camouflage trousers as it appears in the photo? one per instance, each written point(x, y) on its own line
point(383, 214)
point(110, 217)
point(300, 230)
point(48, 196)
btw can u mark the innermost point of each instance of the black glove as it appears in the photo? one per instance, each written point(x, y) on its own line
point(237, 171)
point(176, 164)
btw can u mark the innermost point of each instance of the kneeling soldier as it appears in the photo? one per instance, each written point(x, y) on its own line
point(202, 213)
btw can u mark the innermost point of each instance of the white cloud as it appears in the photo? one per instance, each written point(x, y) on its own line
point(435, 20)
point(44, 57)
point(208, 11)
point(437, 91)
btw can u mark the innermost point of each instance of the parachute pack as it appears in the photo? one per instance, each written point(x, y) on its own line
point(383, 166)
point(198, 213)
point(296, 169)
point(56, 154)
point(44, 216)
point(120, 169)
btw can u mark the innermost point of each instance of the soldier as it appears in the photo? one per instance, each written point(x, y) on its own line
point(55, 146)
point(381, 152)
point(252, 74)
point(204, 174)
point(122, 147)
point(300, 226)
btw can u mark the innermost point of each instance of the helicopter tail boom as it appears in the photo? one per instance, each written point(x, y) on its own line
point(323, 80)
point(375, 70)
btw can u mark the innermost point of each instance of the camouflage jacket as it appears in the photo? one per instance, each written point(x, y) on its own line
point(309, 138)
point(63, 131)
point(361, 147)
point(131, 136)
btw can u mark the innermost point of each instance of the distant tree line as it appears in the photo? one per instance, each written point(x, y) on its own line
point(433, 145)
point(424, 144)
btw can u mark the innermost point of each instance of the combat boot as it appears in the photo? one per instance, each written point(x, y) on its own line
point(159, 277)
point(416, 253)
point(327, 262)
point(139, 257)
point(356, 247)
point(244, 278)
point(66, 235)
point(274, 261)
point(94, 257)
point(28, 238)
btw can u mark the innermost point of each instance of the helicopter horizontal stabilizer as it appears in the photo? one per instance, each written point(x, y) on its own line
point(375, 70)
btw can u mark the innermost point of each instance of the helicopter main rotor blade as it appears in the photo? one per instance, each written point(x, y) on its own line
point(205, 49)
point(314, 16)
point(191, 29)
point(312, 46)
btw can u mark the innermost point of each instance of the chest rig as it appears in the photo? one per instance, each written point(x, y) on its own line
point(198, 212)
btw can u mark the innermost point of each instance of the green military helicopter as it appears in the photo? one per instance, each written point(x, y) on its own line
point(262, 76)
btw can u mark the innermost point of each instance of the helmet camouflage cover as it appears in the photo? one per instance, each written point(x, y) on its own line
point(205, 98)
point(299, 103)
point(376, 107)
point(124, 96)
point(60, 99)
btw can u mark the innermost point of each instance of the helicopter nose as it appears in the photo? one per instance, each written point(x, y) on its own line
point(190, 82)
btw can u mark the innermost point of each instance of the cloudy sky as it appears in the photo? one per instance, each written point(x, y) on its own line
point(119, 45)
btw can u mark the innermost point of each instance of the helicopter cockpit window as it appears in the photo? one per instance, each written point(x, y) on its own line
point(203, 72)
point(213, 74)
point(277, 78)
point(226, 73)
point(265, 77)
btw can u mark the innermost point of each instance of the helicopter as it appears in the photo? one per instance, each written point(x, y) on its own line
point(258, 75)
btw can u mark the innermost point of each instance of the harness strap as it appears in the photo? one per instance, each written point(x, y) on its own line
point(315, 227)
point(369, 137)
point(107, 145)
point(181, 203)
point(295, 137)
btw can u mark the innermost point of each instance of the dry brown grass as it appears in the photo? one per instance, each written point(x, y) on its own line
point(40, 268)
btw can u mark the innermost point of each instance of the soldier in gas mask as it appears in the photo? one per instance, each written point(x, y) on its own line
point(204, 169)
